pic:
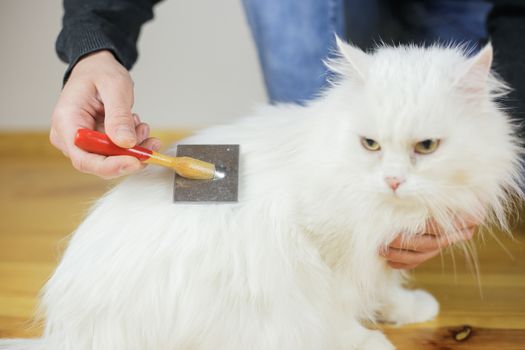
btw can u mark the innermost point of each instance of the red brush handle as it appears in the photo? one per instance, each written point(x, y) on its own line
point(99, 143)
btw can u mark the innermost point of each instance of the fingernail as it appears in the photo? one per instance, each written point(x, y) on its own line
point(126, 136)
point(155, 146)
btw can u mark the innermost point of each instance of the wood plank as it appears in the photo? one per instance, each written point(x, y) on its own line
point(450, 338)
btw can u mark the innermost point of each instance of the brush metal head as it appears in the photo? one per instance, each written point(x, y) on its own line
point(222, 188)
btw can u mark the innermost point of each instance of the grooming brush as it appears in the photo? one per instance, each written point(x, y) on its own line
point(204, 173)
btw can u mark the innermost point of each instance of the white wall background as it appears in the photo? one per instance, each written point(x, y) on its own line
point(197, 64)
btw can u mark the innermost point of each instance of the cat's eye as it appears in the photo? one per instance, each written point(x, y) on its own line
point(370, 144)
point(426, 146)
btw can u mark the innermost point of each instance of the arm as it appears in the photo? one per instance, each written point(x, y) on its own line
point(93, 25)
point(98, 40)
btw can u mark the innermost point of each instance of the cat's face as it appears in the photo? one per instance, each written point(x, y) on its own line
point(422, 129)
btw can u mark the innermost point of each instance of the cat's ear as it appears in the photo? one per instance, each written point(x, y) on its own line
point(476, 73)
point(351, 61)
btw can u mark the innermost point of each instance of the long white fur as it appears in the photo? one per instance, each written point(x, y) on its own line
point(294, 264)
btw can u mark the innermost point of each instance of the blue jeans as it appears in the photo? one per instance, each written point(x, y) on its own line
point(294, 36)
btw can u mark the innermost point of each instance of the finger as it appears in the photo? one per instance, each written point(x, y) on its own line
point(465, 223)
point(68, 121)
point(433, 228)
point(427, 243)
point(462, 235)
point(136, 119)
point(142, 131)
point(467, 233)
point(151, 143)
point(55, 141)
point(106, 167)
point(117, 97)
point(419, 243)
point(408, 257)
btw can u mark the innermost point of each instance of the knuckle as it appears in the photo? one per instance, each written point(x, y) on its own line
point(81, 165)
point(53, 139)
point(78, 164)
point(56, 144)
point(58, 113)
point(108, 173)
point(116, 77)
point(110, 168)
point(469, 234)
point(122, 79)
point(442, 244)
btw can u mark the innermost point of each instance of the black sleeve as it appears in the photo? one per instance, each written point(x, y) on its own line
point(506, 25)
point(93, 25)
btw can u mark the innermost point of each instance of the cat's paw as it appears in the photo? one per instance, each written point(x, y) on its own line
point(375, 340)
point(411, 306)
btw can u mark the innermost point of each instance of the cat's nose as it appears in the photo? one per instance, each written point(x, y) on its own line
point(394, 182)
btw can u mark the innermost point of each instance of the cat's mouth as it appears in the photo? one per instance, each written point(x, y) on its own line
point(401, 198)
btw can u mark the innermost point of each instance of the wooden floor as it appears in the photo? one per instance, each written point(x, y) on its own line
point(42, 199)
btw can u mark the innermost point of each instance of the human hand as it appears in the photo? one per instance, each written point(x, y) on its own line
point(99, 96)
point(407, 254)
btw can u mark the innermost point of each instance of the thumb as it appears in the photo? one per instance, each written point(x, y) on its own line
point(118, 120)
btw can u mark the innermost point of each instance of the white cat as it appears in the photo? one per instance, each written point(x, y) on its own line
point(404, 134)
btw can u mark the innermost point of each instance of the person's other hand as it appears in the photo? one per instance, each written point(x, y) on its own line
point(405, 253)
point(99, 95)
